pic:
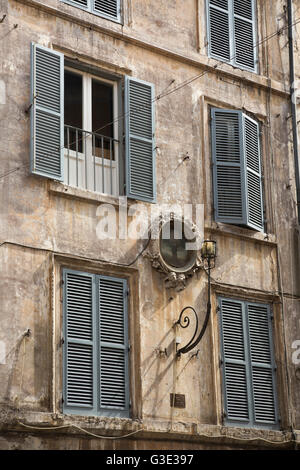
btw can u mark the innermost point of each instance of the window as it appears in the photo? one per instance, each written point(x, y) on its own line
point(232, 32)
point(90, 133)
point(96, 380)
point(110, 9)
point(237, 173)
point(248, 364)
point(77, 128)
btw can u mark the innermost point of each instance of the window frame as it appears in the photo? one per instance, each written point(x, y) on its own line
point(87, 79)
point(232, 58)
point(89, 9)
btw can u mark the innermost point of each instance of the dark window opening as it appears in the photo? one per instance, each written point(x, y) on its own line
point(102, 119)
point(73, 111)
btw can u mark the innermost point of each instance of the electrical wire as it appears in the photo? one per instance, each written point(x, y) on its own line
point(173, 90)
point(84, 258)
point(158, 97)
point(48, 428)
point(196, 77)
point(80, 429)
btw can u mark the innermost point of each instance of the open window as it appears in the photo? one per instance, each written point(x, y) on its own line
point(92, 131)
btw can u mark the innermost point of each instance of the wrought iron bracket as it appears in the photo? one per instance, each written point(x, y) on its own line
point(184, 322)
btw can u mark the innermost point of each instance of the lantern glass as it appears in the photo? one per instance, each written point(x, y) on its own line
point(208, 250)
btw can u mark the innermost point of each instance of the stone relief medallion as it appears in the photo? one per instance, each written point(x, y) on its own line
point(173, 250)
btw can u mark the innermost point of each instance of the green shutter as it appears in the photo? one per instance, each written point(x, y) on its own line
point(232, 32)
point(235, 366)
point(249, 381)
point(237, 175)
point(47, 112)
point(244, 33)
point(79, 3)
point(79, 342)
point(262, 364)
point(109, 8)
point(228, 167)
point(96, 379)
point(253, 174)
point(219, 29)
point(140, 147)
point(114, 392)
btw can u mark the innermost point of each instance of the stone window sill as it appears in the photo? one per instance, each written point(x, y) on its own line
point(61, 189)
point(240, 232)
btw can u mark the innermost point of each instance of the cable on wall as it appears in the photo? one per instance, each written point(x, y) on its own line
point(173, 90)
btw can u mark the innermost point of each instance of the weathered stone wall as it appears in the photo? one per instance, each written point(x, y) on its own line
point(43, 230)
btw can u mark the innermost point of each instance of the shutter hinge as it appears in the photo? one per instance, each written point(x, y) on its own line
point(62, 341)
point(218, 309)
point(62, 399)
point(129, 346)
point(62, 282)
point(127, 291)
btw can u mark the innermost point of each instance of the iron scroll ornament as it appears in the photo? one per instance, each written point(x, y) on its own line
point(184, 322)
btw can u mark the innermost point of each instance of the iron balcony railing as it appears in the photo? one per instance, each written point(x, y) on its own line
point(90, 161)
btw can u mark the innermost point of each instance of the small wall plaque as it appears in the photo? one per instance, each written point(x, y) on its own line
point(177, 400)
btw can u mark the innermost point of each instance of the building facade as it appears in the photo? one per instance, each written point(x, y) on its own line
point(164, 104)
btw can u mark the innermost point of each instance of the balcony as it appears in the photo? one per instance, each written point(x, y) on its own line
point(90, 161)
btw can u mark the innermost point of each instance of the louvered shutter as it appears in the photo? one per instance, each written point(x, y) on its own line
point(80, 3)
point(219, 29)
point(244, 33)
point(47, 112)
point(253, 174)
point(228, 167)
point(235, 366)
point(79, 343)
point(109, 8)
point(262, 364)
point(140, 147)
point(114, 392)
point(248, 364)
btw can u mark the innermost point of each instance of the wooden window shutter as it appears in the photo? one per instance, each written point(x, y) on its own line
point(262, 364)
point(232, 32)
point(235, 365)
point(228, 168)
point(109, 8)
point(113, 328)
point(79, 343)
point(80, 3)
point(219, 29)
point(244, 33)
point(96, 345)
point(237, 174)
point(139, 135)
point(253, 174)
point(248, 364)
point(47, 112)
